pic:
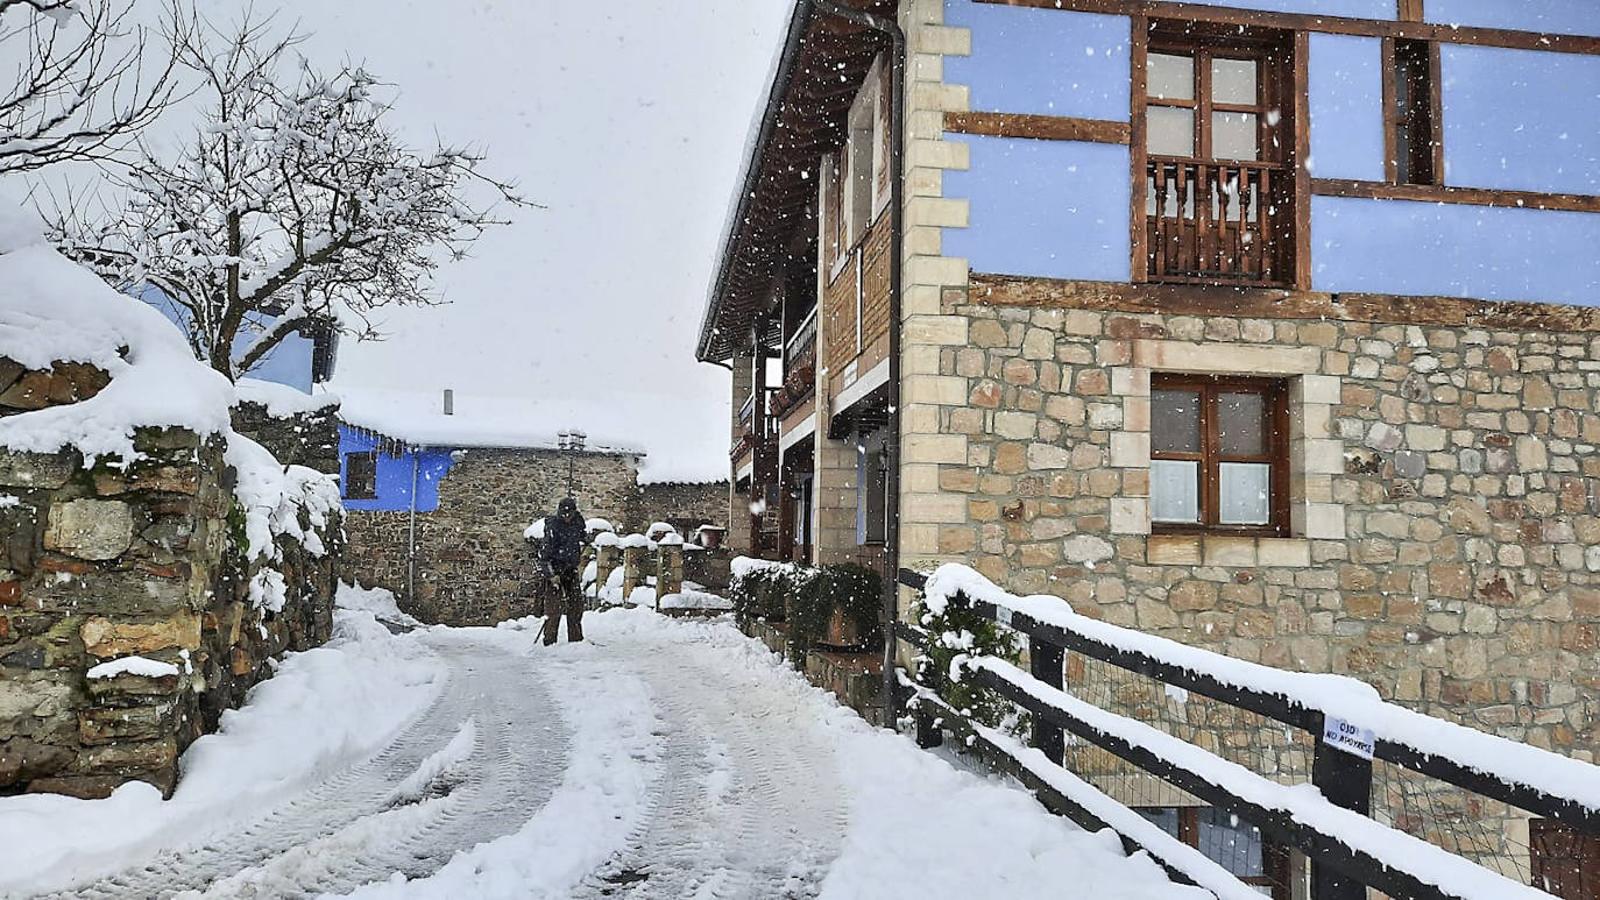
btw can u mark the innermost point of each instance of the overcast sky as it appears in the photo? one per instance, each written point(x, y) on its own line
point(626, 119)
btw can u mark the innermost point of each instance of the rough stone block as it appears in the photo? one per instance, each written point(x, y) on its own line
point(90, 529)
point(107, 639)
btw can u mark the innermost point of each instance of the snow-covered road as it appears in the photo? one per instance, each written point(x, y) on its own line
point(664, 759)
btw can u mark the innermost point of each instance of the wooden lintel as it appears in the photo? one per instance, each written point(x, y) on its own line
point(1278, 303)
point(1427, 31)
point(1044, 128)
point(1431, 193)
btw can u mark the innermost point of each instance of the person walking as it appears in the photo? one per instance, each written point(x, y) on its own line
point(559, 556)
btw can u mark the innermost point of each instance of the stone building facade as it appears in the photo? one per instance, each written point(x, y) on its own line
point(1077, 239)
point(472, 565)
point(1445, 489)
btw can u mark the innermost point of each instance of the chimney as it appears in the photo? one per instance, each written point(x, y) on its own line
point(449, 402)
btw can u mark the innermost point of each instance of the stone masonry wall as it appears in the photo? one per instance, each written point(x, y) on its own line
point(1446, 542)
point(102, 563)
point(684, 505)
point(307, 439)
point(473, 566)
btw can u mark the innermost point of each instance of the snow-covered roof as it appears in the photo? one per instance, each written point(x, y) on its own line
point(709, 470)
point(479, 421)
point(53, 310)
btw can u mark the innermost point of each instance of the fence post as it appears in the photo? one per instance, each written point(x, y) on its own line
point(1045, 662)
point(1345, 779)
point(632, 570)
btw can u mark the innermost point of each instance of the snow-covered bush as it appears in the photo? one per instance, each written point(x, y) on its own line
point(759, 589)
point(957, 635)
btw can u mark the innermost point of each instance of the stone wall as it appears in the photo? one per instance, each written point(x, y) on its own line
point(473, 565)
point(684, 505)
point(1445, 483)
point(309, 439)
point(104, 563)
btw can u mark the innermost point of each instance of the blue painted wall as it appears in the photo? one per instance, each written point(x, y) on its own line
point(1055, 209)
point(1515, 119)
point(395, 473)
point(1553, 16)
point(1402, 247)
point(1346, 95)
point(1042, 61)
point(289, 363)
point(1521, 119)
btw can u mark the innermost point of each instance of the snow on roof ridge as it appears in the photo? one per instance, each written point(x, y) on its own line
point(408, 416)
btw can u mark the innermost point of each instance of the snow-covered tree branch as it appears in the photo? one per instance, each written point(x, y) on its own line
point(82, 80)
point(292, 204)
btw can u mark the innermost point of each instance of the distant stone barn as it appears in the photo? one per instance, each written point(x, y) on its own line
point(437, 503)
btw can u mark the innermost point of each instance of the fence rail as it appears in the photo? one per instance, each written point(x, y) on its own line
point(1348, 851)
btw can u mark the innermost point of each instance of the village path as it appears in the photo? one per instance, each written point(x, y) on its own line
point(662, 759)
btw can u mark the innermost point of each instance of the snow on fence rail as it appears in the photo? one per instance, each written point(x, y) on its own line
point(1348, 850)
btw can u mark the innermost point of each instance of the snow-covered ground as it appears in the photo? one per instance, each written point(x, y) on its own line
point(665, 758)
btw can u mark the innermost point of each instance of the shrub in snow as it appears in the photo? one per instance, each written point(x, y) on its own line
point(957, 636)
point(760, 589)
point(852, 593)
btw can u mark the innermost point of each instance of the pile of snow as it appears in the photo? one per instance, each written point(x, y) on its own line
point(700, 470)
point(673, 539)
point(636, 542)
point(323, 709)
point(280, 400)
point(377, 601)
point(693, 599)
point(133, 665)
point(658, 530)
point(534, 532)
point(595, 526)
point(53, 310)
point(607, 539)
point(279, 502)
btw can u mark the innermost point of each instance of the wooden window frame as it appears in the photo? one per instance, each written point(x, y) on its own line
point(1275, 432)
point(1283, 257)
point(370, 491)
point(1393, 119)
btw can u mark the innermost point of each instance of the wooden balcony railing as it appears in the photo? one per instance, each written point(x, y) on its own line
point(799, 369)
point(757, 423)
point(1218, 221)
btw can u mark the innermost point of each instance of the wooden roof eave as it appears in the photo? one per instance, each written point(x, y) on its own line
point(821, 69)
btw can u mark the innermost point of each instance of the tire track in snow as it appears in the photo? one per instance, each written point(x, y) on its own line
point(347, 830)
point(747, 803)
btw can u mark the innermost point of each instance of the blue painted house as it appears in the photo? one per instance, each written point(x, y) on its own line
point(302, 360)
point(1268, 326)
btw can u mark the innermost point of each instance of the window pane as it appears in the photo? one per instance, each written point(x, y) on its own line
point(1175, 421)
point(1231, 842)
point(1171, 131)
point(1246, 490)
point(1174, 491)
point(1170, 77)
point(1233, 81)
point(1233, 135)
point(1240, 424)
point(1166, 817)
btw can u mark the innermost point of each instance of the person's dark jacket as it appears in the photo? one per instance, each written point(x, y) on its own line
point(564, 534)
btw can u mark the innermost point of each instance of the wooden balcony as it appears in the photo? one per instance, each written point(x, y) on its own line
point(1218, 222)
point(757, 424)
point(799, 369)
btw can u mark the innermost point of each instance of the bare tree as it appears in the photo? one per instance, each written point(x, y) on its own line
point(82, 80)
point(292, 204)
